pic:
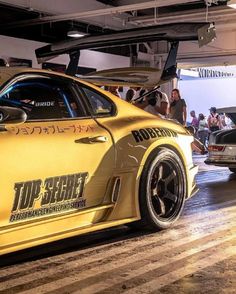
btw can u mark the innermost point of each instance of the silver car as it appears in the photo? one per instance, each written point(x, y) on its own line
point(222, 143)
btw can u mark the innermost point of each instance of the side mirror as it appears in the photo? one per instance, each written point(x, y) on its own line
point(11, 115)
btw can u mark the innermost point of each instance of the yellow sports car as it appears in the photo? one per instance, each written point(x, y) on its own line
point(76, 159)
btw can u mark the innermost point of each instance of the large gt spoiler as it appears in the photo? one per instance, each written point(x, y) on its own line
point(137, 76)
point(126, 76)
point(203, 32)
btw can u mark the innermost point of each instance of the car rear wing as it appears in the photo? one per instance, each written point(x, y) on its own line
point(136, 76)
point(204, 32)
point(143, 77)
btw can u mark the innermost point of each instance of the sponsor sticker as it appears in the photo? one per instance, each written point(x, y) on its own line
point(45, 103)
point(152, 133)
point(56, 194)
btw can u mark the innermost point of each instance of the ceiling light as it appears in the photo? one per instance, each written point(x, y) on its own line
point(232, 4)
point(75, 34)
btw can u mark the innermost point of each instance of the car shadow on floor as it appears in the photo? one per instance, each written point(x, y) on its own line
point(90, 240)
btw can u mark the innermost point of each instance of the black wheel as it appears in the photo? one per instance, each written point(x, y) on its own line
point(232, 169)
point(163, 188)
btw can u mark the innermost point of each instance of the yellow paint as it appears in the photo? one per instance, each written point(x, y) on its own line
point(36, 151)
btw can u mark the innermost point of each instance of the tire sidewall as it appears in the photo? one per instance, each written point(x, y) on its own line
point(147, 210)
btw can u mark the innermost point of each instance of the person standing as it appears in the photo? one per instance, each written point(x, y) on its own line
point(214, 121)
point(162, 104)
point(114, 90)
point(202, 129)
point(178, 108)
point(194, 121)
point(228, 123)
point(156, 103)
point(132, 93)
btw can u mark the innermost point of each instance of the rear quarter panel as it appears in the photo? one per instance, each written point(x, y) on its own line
point(136, 134)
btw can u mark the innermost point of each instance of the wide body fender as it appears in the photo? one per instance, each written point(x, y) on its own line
point(135, 140)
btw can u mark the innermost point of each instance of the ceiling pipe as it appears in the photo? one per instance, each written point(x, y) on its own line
point(213, 15)
point(215, 11)
point(98, 12)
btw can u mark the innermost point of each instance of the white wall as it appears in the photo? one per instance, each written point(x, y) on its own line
point(13, 47)
point(201, 94)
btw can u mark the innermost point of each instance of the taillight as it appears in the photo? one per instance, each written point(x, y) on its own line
point(216, 148)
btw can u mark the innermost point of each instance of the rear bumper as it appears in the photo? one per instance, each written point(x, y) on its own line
point(220, 163)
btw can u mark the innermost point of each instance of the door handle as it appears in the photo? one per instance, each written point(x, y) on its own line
point(91, 140)
point(98, 139)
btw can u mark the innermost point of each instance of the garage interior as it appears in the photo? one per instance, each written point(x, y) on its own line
point(198, 255)
point(43, 22)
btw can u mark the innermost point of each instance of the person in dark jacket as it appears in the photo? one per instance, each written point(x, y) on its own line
point(178, 108)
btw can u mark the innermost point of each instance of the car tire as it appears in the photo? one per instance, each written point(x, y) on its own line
point(163, 190)
point(232, 169)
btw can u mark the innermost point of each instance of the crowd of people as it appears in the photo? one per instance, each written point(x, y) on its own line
point(214, 122)
point(158, 103)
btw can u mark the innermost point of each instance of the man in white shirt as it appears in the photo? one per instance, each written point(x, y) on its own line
point(157, 103)
point(162, 104)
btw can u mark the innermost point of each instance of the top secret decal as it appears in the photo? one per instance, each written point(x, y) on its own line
point(53, 195)
point(151, 133)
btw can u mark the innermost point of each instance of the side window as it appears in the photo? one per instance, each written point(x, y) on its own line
point(42, 98)
point(100, 105)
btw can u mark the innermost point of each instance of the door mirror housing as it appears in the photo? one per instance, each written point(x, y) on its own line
point(11, 115)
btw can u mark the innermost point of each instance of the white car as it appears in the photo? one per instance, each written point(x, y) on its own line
point(222, 144)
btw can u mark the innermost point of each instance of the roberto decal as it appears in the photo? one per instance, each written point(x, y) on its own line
point(151, 133)
point(38, 197)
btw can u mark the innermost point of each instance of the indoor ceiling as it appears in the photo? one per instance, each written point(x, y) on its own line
point(44, 21)
point(49, 21)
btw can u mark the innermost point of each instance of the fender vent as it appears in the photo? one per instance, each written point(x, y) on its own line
point(116, 189)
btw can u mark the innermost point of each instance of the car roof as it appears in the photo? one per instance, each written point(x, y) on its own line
point(7, 73)
point(231, 109)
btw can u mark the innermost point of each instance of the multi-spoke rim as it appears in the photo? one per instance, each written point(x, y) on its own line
point(166, 189)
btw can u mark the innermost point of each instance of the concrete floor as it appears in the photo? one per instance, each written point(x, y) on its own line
point(197, 255)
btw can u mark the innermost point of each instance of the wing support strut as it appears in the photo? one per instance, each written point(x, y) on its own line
point(71, 69)
point(169, 71)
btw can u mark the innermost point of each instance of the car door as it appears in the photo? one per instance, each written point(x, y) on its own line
point(59, 162)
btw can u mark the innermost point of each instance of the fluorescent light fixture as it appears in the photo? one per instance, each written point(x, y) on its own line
point(76, 34)
point(232, 4)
